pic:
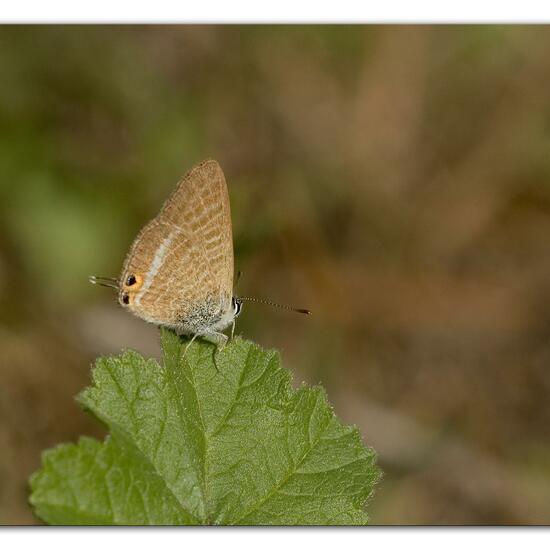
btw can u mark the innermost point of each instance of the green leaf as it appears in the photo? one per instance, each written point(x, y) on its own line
point(198, 442)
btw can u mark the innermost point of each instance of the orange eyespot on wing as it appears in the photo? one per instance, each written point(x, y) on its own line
point(133, 281)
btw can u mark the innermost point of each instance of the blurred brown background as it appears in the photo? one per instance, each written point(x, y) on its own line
point(395, 180)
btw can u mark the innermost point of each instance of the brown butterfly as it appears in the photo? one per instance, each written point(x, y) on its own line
point(179, 270)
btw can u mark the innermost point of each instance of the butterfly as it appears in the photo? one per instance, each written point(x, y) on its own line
point(179, 270)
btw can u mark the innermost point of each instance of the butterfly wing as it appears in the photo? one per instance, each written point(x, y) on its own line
point(184, 256)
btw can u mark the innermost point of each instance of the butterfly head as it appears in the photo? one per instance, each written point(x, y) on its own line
point(237, 304)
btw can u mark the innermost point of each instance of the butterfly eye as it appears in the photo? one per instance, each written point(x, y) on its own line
point(131, 280)
point(125, 299)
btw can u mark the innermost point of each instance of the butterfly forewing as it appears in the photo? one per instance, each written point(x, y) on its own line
point(184, 257)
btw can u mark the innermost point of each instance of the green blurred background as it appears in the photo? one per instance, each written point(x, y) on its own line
point(395, 180)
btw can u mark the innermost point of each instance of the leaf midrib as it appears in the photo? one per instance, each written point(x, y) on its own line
point(204, 469)
point(128, 442)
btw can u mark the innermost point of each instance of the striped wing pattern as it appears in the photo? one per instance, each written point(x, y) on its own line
point(185, 254)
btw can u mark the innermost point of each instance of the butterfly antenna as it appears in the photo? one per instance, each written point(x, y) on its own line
point(274, 304)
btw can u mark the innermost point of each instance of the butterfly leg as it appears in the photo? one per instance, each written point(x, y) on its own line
point(218, 339)
point(188, 345)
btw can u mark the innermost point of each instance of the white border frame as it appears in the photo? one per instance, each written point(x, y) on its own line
point(287, 11)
